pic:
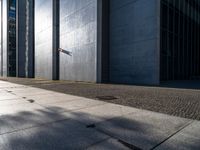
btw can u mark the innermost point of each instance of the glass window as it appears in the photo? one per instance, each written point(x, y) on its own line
point(12, 38)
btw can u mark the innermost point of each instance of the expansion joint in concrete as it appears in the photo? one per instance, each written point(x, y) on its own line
point(178, 131)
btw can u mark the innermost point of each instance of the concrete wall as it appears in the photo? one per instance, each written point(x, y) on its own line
point(78, 34)
point(1, 39)
point(43, 38)
point(134, 41)
point(4, 36)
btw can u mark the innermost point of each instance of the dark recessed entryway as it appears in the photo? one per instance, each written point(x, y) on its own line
point(180, 34)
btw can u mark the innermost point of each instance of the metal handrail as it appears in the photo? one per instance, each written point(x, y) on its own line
point(65, 51)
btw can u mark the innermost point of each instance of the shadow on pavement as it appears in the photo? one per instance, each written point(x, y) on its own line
point(44, 129)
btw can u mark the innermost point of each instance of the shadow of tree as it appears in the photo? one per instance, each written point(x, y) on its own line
point(44, 129)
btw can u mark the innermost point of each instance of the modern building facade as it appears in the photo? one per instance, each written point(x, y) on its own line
point(17, 38)
point(129, 41)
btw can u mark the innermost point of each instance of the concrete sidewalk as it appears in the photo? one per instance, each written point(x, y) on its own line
point(37, 119)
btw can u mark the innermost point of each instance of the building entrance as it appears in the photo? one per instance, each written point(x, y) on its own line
point(180, 34)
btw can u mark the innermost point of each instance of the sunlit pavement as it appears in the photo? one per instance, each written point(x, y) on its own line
point(34, 119)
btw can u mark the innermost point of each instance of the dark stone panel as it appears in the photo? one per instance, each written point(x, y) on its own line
point(56, 38)
point(25, 35)
point(21, 37)
point(103, 41)
point(134, 41)
point(30, 46)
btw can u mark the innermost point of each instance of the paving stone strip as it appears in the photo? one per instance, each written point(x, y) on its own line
point(178, 98)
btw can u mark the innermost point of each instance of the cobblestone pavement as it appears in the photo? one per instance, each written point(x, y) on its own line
point(173, 101)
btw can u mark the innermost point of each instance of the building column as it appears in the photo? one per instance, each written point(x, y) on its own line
point(4, 36)
point(56, 19)
point(25, 38)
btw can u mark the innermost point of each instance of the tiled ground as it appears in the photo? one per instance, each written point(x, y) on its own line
point(179, 98)
point(38, 119)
